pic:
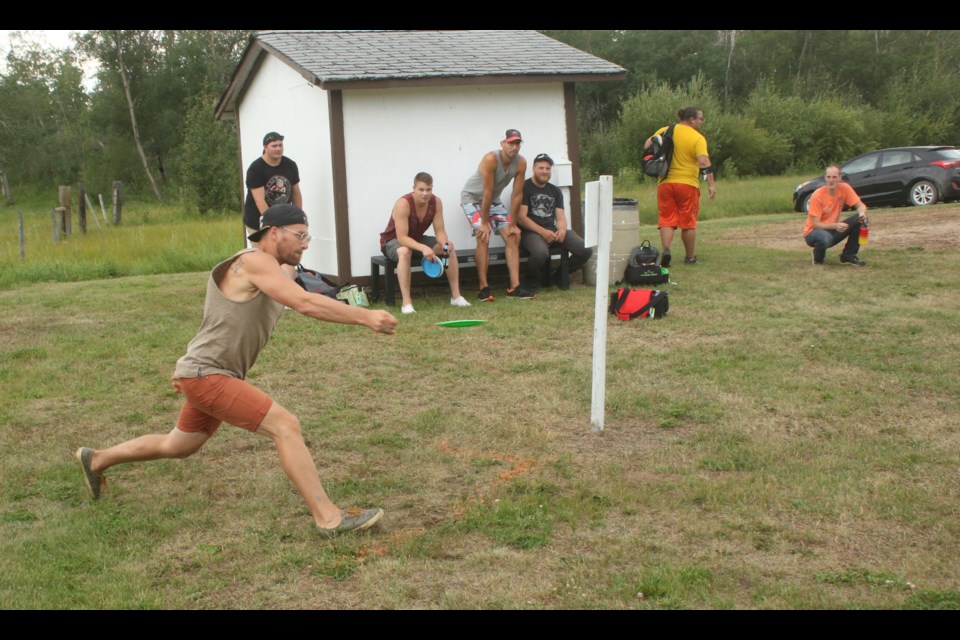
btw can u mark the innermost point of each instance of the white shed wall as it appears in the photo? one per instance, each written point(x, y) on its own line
point(279, 99)
point(392, 134)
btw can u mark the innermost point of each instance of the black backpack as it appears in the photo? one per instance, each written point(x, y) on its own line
point(315, 282)
point(656, 159)
point(643, 266)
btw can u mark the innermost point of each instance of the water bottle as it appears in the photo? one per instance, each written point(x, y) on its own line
point(864, 233)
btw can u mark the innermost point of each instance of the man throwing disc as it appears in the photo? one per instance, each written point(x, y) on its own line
point(246, 295)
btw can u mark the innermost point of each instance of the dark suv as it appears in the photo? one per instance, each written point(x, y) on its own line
point(898, 176)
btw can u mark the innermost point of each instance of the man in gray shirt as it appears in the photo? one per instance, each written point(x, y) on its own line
point(480, 200)
point(246, 295)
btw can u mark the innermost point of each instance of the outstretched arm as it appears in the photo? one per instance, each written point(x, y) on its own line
point(259, 270)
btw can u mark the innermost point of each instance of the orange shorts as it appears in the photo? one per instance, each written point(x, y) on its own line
point(678, 205)
point(213, 399)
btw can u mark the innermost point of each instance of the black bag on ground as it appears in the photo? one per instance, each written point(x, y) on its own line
point(313, 282)
point(628, 304)
point(643, 266)
point(656, 159)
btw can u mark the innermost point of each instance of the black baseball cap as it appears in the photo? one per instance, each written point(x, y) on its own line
point(543, 158)
point(271, 137)
point(511, 135)
point(278, 215)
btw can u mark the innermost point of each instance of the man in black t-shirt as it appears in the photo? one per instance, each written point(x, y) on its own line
point(543, 222)
point(271, 179)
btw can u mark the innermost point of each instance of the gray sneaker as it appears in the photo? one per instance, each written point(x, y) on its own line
point(94, 481)
point(354, 520)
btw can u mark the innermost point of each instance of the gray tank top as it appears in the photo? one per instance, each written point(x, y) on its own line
point(232, 333)
point(473, 190)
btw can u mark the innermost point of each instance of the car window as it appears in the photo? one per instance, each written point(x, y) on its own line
point(863, 163)
point(893, 158)
point(947, 154)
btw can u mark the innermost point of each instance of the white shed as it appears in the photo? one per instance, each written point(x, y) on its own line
point(363, 111)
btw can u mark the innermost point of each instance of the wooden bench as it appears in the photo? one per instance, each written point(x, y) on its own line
point(467, 260)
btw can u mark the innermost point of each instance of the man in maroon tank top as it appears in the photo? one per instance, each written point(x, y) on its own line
point(405, 238)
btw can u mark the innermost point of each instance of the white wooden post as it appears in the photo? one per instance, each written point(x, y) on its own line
point(601, 305)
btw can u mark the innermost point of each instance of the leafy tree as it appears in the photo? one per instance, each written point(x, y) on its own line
point(42, 115)
point(209, 164)
point(161, 74)
point(657, 106)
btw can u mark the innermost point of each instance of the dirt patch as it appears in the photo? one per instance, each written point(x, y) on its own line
point(930, 228)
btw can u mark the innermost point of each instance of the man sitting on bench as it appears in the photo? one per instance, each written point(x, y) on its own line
point(544, 224)
point(404, 237)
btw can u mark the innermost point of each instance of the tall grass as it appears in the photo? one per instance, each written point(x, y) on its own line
point(154, 239)
point(149, 240)
point(735, 197)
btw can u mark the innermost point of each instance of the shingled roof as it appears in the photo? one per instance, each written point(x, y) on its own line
point(374, 59)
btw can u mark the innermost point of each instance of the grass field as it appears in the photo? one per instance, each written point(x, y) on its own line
point(150, 240)
point(155, 239)
point(785, 438)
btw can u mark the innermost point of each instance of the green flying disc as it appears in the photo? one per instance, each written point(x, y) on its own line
point(460, 323)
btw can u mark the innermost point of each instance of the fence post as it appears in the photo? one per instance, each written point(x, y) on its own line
point(67, 223)
point(93, 209)
point(20, 230)
point(600, 313)
point(56, 227)
point(117, 196)
point(81, 207)
point(103, 209)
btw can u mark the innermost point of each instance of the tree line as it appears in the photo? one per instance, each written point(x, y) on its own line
point(775, 101)
point(148, 121)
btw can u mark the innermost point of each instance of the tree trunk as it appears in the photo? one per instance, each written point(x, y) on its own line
point(5, 186)
point(133, 116)
point(731, 38)
point(806, 43)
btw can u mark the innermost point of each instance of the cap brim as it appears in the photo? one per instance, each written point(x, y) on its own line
point(256, 235)
point(513, 138)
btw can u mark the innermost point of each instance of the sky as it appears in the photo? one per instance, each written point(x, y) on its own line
point(51, 38)
point(55, 38)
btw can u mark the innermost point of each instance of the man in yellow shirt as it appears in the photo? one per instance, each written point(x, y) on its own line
point(678, 194)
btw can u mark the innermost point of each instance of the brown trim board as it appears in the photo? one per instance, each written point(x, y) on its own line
point(341, 204)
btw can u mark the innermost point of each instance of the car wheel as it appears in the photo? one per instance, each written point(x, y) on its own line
point(806, 202)
point(923, 193)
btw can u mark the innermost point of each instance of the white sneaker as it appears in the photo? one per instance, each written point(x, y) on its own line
point(407, 308)
point(459, 302)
